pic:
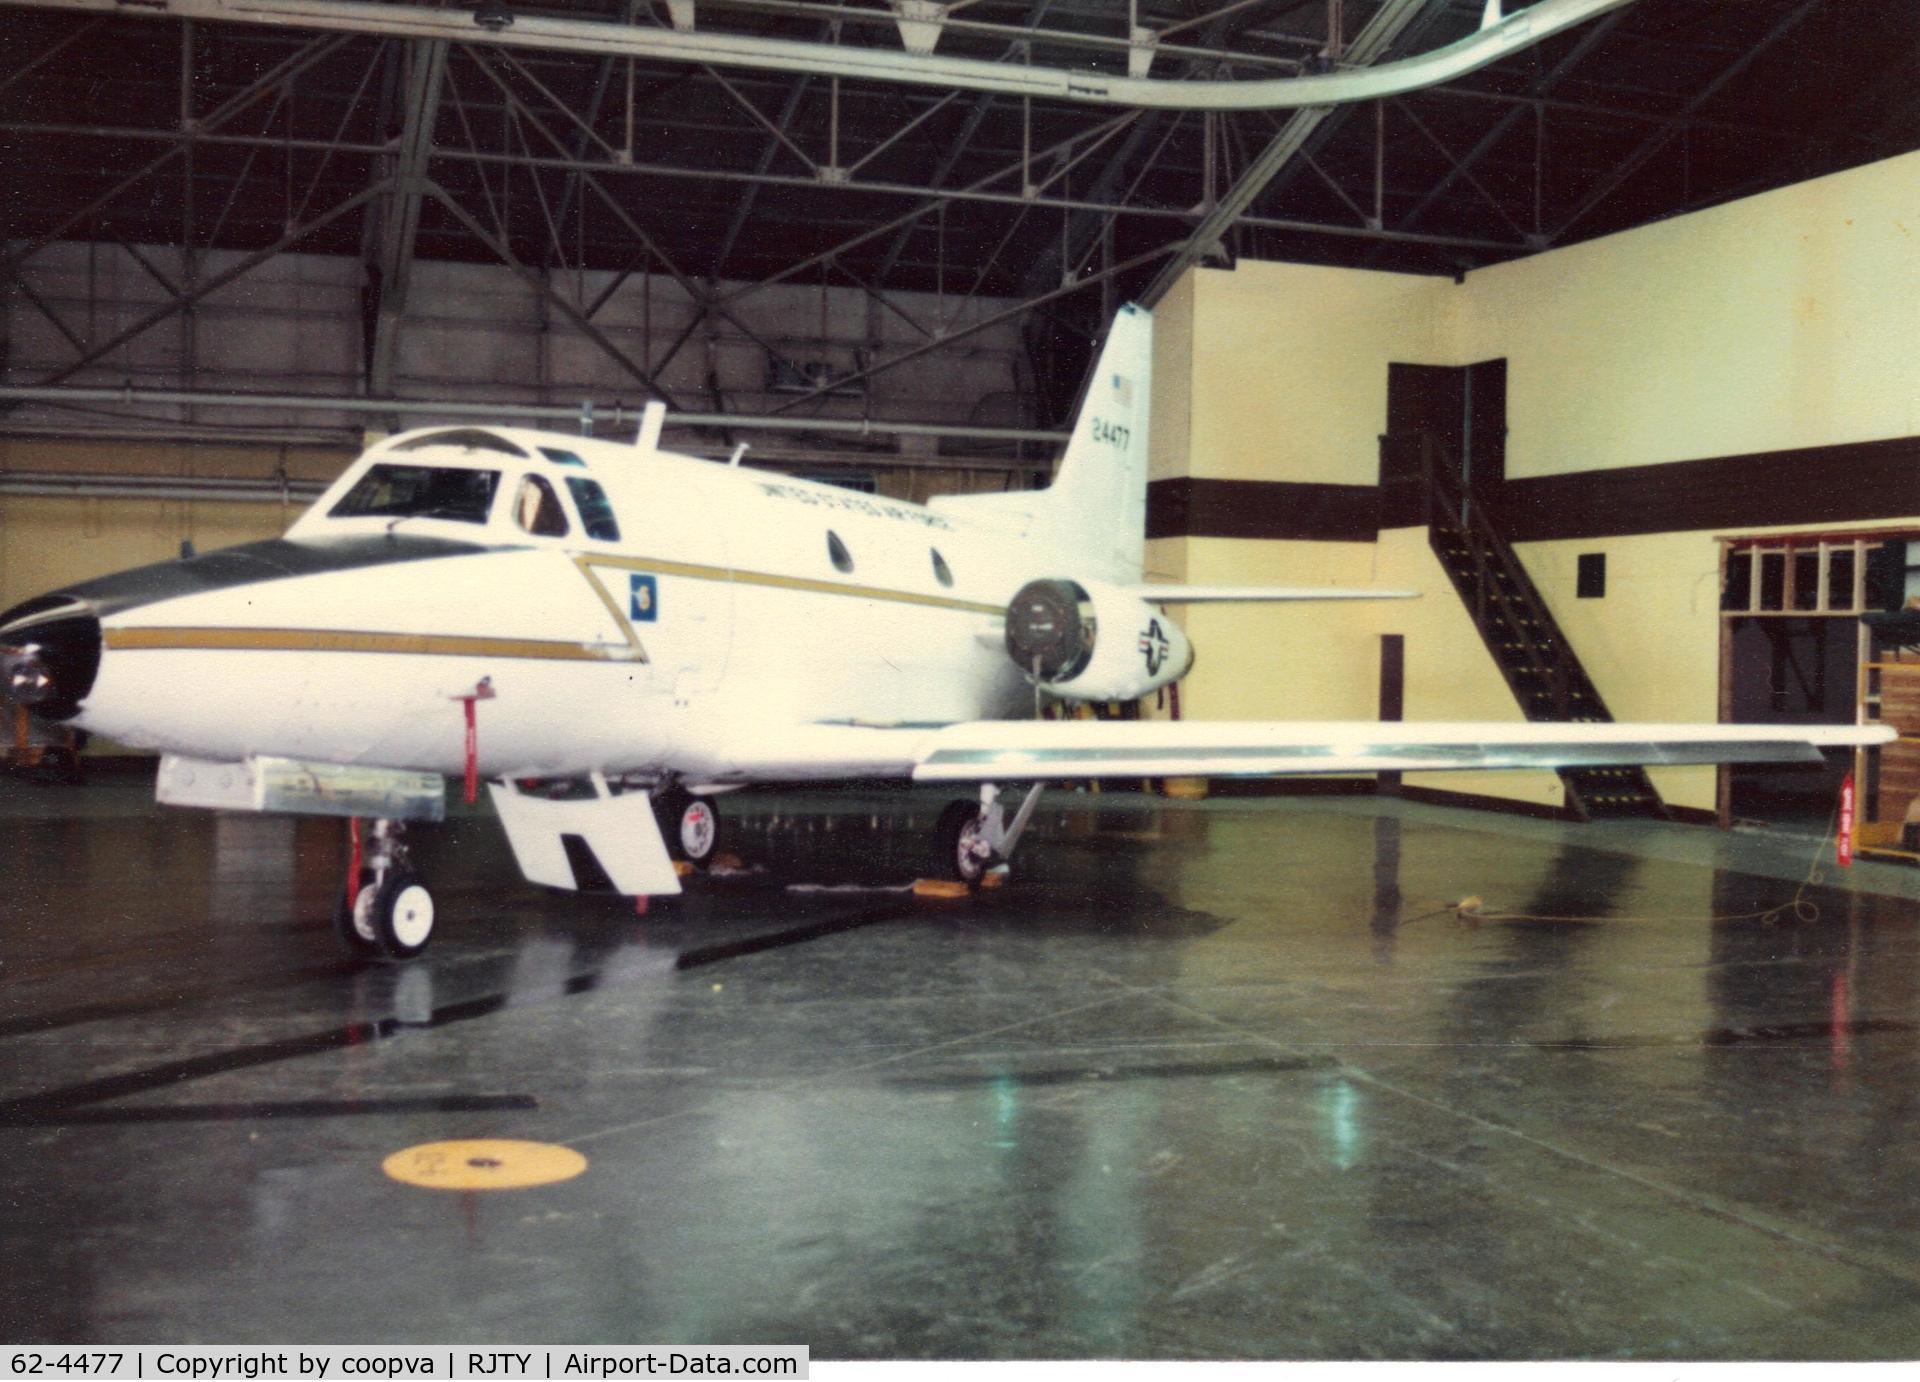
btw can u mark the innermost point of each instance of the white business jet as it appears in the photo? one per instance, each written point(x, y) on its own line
point(612, 635)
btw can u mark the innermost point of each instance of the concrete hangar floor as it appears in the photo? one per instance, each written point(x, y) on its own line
point(1212, 1080)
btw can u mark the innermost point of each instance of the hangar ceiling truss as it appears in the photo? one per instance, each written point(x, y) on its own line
point(133, 126)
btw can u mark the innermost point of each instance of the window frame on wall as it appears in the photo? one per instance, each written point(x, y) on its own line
point(1786, 554)
point(1761, 597)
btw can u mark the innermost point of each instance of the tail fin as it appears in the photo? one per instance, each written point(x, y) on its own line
point(1096, 508)
point(1094, 515)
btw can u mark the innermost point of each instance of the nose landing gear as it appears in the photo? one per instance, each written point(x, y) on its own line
point(385, 907)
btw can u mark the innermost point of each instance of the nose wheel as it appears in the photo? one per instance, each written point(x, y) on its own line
point(386, 907)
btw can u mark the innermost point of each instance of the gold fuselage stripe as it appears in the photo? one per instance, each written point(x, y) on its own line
point(456, 645)
point(694, 571)
point(356, 641)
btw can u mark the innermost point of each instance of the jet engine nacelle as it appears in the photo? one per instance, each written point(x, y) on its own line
point(1089, 641)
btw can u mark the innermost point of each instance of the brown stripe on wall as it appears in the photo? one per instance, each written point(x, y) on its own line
point(1817, 484)
point(1852, 482)
point(1272, 509)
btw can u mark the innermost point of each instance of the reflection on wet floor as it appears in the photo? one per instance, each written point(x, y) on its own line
point(1198, 1083)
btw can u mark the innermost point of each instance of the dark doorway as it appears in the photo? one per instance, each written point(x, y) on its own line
point(1460, 412)
point(1393, 694)
point(1788, 671)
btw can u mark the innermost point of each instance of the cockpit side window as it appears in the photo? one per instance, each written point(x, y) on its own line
point(596, 514)
point(420, 491)
point(536, 508)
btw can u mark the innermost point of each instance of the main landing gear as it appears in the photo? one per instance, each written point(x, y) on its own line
point(385, 908)
point(690, 824)
point(970, 840)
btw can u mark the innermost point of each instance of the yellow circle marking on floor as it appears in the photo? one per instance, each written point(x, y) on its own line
point(484, 1163)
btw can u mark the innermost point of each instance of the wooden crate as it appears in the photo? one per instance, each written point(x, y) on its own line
point(1899, 763)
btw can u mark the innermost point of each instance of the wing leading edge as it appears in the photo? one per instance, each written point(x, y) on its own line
point(1165, 594)
point(1037, 750)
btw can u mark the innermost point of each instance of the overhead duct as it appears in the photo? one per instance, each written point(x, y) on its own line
point(51, 484)
point(1499, 39)
point(614, 417)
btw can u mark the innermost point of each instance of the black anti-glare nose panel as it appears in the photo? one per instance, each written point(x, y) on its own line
point(49, 655)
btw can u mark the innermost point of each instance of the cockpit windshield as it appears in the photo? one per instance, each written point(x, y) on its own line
point(420, 491)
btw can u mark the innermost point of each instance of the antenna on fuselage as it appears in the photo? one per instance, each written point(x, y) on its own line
point(739, 450)
point(652, 418)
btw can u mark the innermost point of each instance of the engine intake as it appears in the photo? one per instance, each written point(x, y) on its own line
point(1094, 642)
point(1050, 630)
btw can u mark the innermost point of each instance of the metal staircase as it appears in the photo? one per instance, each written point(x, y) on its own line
point(1534, 656)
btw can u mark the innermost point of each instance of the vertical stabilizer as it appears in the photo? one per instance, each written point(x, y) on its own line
point(1096, 508)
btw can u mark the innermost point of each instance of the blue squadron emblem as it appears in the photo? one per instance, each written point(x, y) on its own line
point(643, 598)
point(1153, 643)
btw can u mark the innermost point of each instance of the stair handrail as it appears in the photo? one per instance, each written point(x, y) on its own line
point(1470, 519)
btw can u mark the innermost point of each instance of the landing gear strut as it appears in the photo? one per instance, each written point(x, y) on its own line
point(385, 907)
point(970, 840)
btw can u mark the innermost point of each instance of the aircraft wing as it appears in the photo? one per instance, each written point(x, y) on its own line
point(1027, 750)
point(1173, 594)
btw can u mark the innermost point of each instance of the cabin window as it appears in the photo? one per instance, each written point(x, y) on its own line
point(837, 551)
point(941, 571)
point(466, 438)
point(596, 514)
point(536, 508)
point(420, 491)
point(562, 457)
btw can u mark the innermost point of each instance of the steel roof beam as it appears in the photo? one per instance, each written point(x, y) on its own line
point(218, 281)
point(743, 208)
point(539, 284)
point(133, 396)
point(1589, 40)
point(1513, 34)
point(588, 173)
point(972, 329)
point(401, 221)
point(977, 192)
point(284, 72)
point(1372, 43)
point(1657, 141)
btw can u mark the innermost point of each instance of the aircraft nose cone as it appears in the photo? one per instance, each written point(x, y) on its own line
point(49, 655)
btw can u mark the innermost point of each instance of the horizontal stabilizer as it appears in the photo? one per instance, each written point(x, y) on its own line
point(1257, 594)
point(1032, 750)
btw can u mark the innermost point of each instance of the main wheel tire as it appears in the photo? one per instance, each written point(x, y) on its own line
point(955, 845)
point(402, 913)
point(690, 824)
point(353, 926)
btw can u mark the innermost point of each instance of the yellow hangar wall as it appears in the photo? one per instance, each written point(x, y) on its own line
point(1783, 321)
point(48, 542)
point(1789, 319)
point(1279, 372)
point(1288, 375)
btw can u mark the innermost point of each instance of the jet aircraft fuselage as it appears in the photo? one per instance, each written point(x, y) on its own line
point(629, 609)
